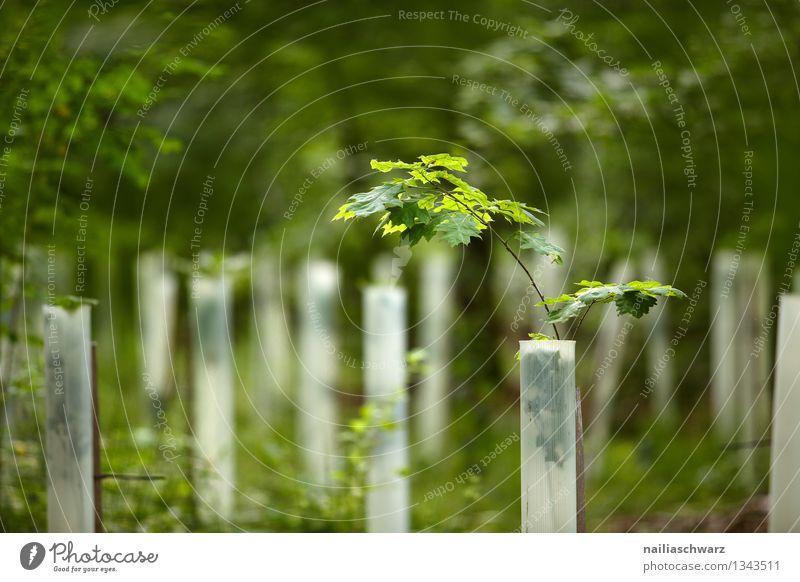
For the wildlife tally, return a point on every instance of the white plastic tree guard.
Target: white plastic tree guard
(612, 339)
(270, 350)
(656, 328)
(319, 355)
(436, 313)
(751, 392)
(213, 398)
(724, 323)
(784, 494)
(68, 455)
(740, 373)
(158, 298)
(547, 419)
(385, 344)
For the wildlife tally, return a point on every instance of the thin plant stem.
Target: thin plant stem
(580, 321)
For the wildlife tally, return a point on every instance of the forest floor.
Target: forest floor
(750, 517)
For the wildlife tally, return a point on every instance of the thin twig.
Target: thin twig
(580, 321)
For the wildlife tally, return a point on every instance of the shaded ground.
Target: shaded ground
(749, 518)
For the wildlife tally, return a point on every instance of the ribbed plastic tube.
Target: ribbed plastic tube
(68, 456)
(213, 419)
(385, 345)
(547, 419)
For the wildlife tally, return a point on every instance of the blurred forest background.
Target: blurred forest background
(115, 115)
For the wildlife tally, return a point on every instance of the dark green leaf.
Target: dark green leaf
(416, 233)
(409, 214)
(634, 303)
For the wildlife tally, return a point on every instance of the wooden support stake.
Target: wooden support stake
(579, 470)
(98, 483)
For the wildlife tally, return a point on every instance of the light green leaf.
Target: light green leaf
(415, 234)
(517, 212)
(387, 166)
(454, 163)
(656, 288)
(554, 300)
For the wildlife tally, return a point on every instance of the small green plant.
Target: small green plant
(432, 201)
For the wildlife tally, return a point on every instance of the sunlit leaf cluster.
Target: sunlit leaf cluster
(432, 201)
